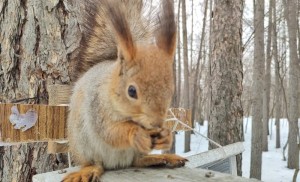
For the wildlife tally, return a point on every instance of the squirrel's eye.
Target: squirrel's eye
(132, 92)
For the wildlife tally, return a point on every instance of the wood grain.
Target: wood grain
(59, 94)
(50, 123)
(150, 174)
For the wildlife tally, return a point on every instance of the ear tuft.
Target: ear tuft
(166, 32)
(120, 25)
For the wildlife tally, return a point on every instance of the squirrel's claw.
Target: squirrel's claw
(86, 174)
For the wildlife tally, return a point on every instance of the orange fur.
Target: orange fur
(108, 128)
(86, 174)
(168, 160)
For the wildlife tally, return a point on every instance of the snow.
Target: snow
(274, 169)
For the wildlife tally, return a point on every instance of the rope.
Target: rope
(187, 126)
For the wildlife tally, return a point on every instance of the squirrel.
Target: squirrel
(120, 101)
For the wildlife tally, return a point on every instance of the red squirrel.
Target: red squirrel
(120, 102)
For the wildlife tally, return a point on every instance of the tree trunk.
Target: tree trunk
(186, 100)
(197, 77)
(225, 125)
(192, 36)
(278, 93)
(20, 162)
(258, 74)
(174, 103)
(267, 84)
(178, 57)
(293, 151)
(38, 40)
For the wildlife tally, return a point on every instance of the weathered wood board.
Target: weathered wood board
(214, 155)
(59, 94)
(51, 123)
(151, 174)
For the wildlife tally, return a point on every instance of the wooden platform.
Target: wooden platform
(151, 175)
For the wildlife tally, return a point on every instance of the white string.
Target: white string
(187, 126)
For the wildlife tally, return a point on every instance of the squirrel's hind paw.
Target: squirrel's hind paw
(86, 174)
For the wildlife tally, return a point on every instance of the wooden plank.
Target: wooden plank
(42, 119)
(36, 132)
(62, 122)
(27, 135)
(2, 113)
(214, 155)
(59, 94)
(233, 166)
(56, 122)
(9, 128)
(151, 174)
(22, 109)
(50, 123)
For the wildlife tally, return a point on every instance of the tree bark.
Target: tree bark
(209, 75)
(278, 93)
(293, 151)
(225, 125)
(258, 74)
(20, 162)
(38, 40)
(267, 84)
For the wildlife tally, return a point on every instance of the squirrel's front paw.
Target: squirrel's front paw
(162, 140)
(141, 140)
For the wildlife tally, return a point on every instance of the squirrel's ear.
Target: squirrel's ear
(124, 40)
(166, 32)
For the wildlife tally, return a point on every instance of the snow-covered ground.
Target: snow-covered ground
(273, 167)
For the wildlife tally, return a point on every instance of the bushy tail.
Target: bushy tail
(98, 43)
